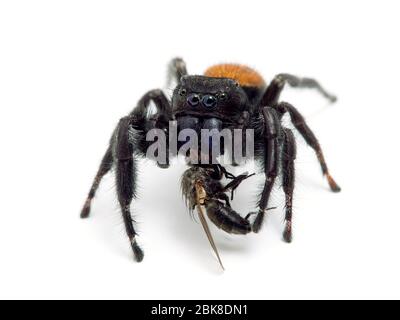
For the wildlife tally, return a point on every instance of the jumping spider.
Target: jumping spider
(230, 97)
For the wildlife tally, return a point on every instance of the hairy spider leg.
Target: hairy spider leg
(271, 136)
(125, 177)
(176, 70)
(301, 125)
(274, 90)
(125, 147)
(105, 167)
(288, 179)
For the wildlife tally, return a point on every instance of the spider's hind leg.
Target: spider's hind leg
(176, 70)
(301, 125)
(274, 90)
(105, 166)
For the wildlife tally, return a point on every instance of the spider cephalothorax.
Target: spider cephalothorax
(228, 97)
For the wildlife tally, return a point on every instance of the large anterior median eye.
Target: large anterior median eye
(193, 100)
(209, 101)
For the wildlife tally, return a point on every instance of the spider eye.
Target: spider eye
(209, 101)
(193, 100)
(182, 92)
(222, 96)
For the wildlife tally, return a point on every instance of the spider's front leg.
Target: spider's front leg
(160, 119)
(128, 143)
(271, 145)
(125, 144)
(277, 138)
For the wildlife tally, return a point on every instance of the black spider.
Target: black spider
(227, 97)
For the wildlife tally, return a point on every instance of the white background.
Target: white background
(70, 69)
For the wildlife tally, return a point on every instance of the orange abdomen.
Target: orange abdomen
(245, 76)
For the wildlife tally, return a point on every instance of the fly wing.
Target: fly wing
(199, 192)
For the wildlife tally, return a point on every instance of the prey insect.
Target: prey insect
(227, 97)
